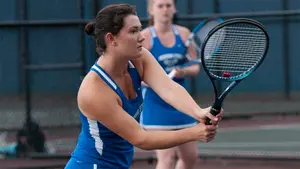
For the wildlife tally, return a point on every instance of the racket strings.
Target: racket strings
(235, 49)
(194, 46)
(202, 33)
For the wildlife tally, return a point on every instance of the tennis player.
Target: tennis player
(165, 41)
(110, 100)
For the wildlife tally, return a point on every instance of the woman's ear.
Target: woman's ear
(110, 39)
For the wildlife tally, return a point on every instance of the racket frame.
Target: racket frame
(190, 38)
(217, 105)
(192, 35)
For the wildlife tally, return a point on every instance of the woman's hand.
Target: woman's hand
(180, 73)
(204, 113)
(204, 133)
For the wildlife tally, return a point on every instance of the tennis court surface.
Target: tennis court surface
(267, 141)
(252, 144)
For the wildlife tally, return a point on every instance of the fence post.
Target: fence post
(24, 58)
(35, 138)
(286, 52)
(82, 39)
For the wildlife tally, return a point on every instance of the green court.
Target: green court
(266, 140)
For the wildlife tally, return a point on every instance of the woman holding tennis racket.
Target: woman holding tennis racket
(110, 99)
(165, 41)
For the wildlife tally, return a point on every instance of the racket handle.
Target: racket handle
(214, 111)
(172, 74)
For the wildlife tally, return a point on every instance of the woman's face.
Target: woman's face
(129, 40)
(162, 10)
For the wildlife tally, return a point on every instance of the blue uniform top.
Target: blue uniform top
(97, 144)
(157, 113)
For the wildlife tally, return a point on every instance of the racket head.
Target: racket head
(234, 49)
(194, 41)
(197, 37)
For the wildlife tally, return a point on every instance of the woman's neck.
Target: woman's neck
(162, 27)
(113, 65)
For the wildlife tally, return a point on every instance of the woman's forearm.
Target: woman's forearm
(178, 97)
(191, 71)
(165, 139)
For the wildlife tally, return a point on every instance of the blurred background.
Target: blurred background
(44, 54)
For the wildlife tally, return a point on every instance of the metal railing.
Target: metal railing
(24, 24)
(284, 15)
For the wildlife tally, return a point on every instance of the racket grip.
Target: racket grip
(172, 74)
(214, 111)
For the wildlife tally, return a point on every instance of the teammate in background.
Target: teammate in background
(110, 99)
(165, 41)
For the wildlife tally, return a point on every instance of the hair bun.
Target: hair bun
(90, 28)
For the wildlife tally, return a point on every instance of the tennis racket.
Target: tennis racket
(194, 41)
(232, 51)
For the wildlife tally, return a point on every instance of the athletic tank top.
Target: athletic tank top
(168, 57)
(157, 113)
(97, 144)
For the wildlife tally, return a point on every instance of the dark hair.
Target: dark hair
(109, 19)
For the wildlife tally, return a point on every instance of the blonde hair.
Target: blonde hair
(151, 19)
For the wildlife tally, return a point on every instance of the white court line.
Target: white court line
(252, 153)
(250, 144)
(262, 127)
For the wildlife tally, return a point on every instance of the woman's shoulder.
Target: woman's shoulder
(184, 32)
(92, 90)
(182, 29)
(95, 98)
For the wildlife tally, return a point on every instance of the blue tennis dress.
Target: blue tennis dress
(98, 147)
(157, 114)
